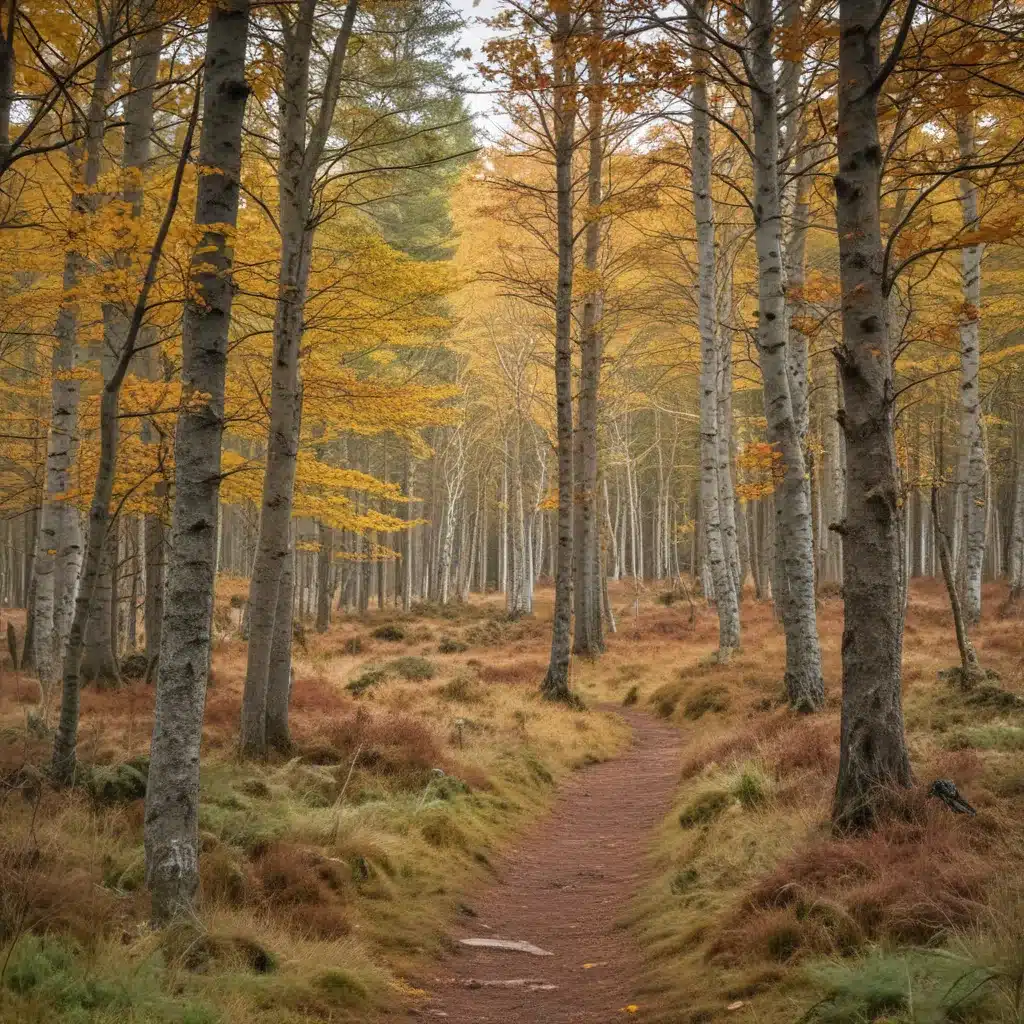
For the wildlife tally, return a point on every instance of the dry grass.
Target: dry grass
(328, 876)
(750, 888)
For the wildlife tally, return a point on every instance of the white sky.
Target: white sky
(473, 37)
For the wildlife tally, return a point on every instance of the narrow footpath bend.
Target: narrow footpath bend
(563, 890)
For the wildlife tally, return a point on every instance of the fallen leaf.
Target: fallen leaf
(736, 1005)
(632, 1008)
(587, 967)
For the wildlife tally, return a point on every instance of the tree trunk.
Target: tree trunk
(99, 661)
(324, 558)
(969, 668)
(556, 683)
(298, 164)
(589, 639)
(794, 534)
(172, 793)
(710, 491)
(873, 749)
(727, 503)
(972, 459)
(59, 555)
(279, 671)
(1016, 547)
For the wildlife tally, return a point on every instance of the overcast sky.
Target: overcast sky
(473, 37)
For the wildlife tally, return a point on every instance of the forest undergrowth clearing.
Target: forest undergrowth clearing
(328, 876)
(330, 880)
(756, 909)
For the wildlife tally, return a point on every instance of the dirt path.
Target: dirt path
(564, 890)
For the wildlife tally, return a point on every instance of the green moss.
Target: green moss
(987, 737)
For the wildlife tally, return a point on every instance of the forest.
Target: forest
(490, 481)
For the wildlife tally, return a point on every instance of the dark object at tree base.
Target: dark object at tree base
(947, 792)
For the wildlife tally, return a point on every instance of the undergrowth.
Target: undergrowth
(755, 909)
(328, 877)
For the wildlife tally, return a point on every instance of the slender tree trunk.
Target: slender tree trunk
(972, 460)
(727, 503)
(410, 538)
(325, 557)
(556, 682)
(710, 488)
(279, 674)
(59, 555)
(589, 639)
(969, 667)
(172, 794)
(873, 749)
(1016, 547)
(298, 164)
(794, 531)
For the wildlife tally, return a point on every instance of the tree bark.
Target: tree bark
(298, 162)
(972, 459)
(556, 683)
(588, 639)
(1016, 546)
(279, 671)
(873, 749)
(172, 794)
(794, 535)
(59, 555)
(325, 556)
(710, 490)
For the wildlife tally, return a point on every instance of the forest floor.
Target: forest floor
(674, 855)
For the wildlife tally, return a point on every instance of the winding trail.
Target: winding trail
(563, 890)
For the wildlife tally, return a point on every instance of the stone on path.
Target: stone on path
(513, 945)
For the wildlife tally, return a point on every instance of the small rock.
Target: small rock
(512, 945)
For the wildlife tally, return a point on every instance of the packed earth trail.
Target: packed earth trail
(564, 890)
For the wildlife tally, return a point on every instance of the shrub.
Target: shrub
(665, 699)
(632, 696)
(450, 645)
(389, 631)
(925, 987)
(705, 808)
(117, 783)
(367, 678)
(709, 699)
(352, 645)
(751, 788)
(46, 973)
(412, 667)
(462, 688)
(341, 987)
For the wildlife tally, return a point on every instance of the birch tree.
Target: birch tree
(556, 682)
(172, 793)
(588, 634)
(794, 531)
(972, 458)
(299, 155)
(726, 596)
